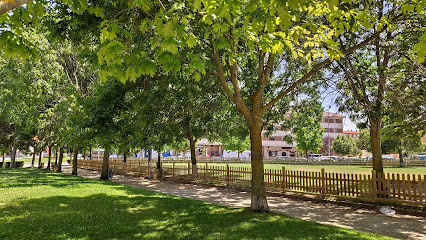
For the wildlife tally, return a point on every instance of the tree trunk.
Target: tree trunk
(401, 158)
(90, 154)
(33, 159)
(39, 159)
(149, 163)
(124, 157)
(105, 164)
(61, 157)
(49, 155)
(376, 149)
(159, 170)
(13, 157)
(6, 6)
(84, 153)
(4, 157)
(306, 154)
(74, 161)
(258, 193)
(193, 157)
(56, 157)
(238, 154)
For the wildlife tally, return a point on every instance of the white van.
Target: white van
(315, 156)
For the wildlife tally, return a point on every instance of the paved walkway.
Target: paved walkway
(398, 226)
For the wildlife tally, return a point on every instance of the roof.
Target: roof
(332, 114)
(356, 132)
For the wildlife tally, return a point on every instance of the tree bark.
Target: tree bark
(49, 153)
(159, 170)
(258, 194)
(56, 157)
(193, 157)
(39, 159)
(90, 154)
(74, 161)
(124, 157)
(149, 163)
(13, 157)
(84, 153)
(376, 149)
(105, 164)
(33, 159)
(5, 7)
(401, 157)
(2, 154)
(61, 157)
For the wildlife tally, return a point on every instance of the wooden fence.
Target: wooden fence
(303, 161)
(398, 188)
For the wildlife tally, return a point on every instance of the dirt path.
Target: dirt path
(398, 226)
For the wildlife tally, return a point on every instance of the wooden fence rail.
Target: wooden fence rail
(398, 188)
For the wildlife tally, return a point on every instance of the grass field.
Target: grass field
(327, 168)
(44, 159)
(39, 204)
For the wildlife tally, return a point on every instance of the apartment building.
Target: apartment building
(274, 145)
(352, 134)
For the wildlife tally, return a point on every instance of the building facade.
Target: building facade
(275, 145)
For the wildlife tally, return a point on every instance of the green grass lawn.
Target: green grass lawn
(44, 159)
(39, 204)
(327, 168)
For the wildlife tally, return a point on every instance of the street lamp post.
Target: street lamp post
(328, 129)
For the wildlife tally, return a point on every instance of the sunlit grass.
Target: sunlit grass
(39, 204)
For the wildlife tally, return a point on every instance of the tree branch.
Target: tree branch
(316, 68)
(5, 7)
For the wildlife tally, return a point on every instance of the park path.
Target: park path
(366, 220)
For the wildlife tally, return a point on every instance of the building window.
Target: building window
(272, 138)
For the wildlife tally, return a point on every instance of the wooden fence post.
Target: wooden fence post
(284, 179)
(322, 183)
(374, 185)
(227, 174)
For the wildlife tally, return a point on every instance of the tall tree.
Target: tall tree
(243, 38)
(305, 123)
(368, 73)
(344, 145)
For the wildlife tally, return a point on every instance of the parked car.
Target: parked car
(420, 157)
(325, 158)
(184, 156)
(315, 156)
(389, 157)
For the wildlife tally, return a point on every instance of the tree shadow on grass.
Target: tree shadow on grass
(30, 177)
(129, 213)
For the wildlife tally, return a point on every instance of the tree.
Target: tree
(243, 38)
(250, 43)
(368, 73)
(344, 145)
(305, 123)
(236, 143)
